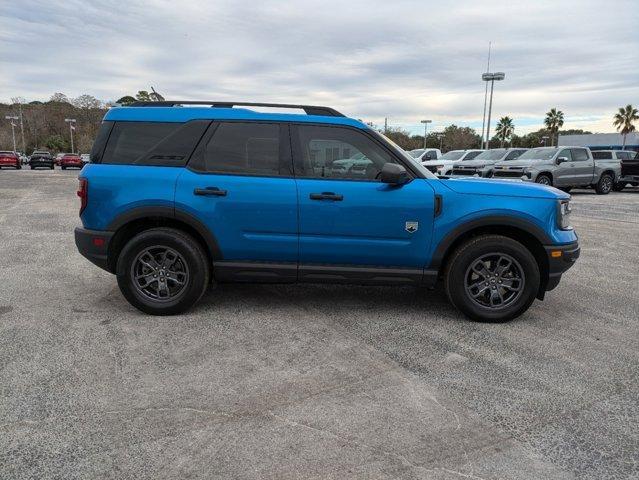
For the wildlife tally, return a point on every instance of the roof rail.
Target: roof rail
(309, 109)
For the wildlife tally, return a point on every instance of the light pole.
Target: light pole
(544, 138)
(491, 77)
(425, 122)
(441, 141)
(483, 120)
(71, 122)
(13, 130)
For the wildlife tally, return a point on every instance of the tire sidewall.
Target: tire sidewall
(548, 180)
(193, 255)
(455, 278)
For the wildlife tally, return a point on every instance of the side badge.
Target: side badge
(411, 227)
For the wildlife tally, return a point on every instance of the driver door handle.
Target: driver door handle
(210, 192)
(326, 196)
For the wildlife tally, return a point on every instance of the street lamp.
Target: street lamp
(13, 130)
(71, 122)
(491, 77)
(441, 141)
(425, 122)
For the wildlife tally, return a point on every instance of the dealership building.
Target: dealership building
(601, 141)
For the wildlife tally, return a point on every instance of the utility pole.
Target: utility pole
(13, 131)
(491, 77)
(483, 122)
(425, 122)
(24, 148)
(71, 122)
(385, 124)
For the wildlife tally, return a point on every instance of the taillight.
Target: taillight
(83, 193)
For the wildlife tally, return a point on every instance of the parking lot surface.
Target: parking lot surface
(311, 381)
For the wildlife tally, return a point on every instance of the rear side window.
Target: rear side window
(244, 149)
(153, 143)
(580, 155)
(602, 155)
(100, 141)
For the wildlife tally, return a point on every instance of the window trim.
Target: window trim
(298, 152)
(285, 154)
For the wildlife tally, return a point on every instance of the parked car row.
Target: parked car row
(564, 167)
(42, 159)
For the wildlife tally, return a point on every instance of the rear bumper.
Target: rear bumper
(94, 245)
(560, 259)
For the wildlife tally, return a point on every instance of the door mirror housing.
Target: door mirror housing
(394, 174)
(561, 160)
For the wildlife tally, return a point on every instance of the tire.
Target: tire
(544, 179)
(460, 278)
(605, 184)
(618, 187)
(190, 262)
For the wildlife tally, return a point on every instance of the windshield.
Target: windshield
(452, 155)
(416, 153)
(494, 154)
(538, 154)
(406, 156)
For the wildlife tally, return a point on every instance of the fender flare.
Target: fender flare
(140, 213)
(487, 221)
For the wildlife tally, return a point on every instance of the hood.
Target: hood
(505, 188)
(523, 163)
(476, 163)
(431, 163)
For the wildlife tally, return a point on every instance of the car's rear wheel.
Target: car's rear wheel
(604, 185)
(163, 271)
(544, 180)
(492, 278)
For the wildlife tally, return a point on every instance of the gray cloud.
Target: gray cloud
(402, 59)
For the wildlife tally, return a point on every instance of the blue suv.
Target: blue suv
(180, 194)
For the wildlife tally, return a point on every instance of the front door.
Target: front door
(347, 216)
(564, 174)
(239, 184)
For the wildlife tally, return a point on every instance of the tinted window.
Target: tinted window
(624, 155)
(100, 141)
(335, 152)
(494, 154)
(565, 153)
(602, 155)
(471, 155)
(453, 155)
(243, 148)
(514, 154)
(153, 143)
(580, 155)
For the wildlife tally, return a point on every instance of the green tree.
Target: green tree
(505, 129)
(460, 138)
(554, 121)
(126, 100)
(624, 121)
(56, 143)
(143, 96)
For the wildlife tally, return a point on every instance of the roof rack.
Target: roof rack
(309, 109)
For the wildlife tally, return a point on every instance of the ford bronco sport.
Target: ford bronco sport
(177, 196)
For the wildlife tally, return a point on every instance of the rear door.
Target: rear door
(239, 184)
(353, 219)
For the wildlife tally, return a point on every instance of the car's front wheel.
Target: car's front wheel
(163, 271)
(492, 278)
(544, 180)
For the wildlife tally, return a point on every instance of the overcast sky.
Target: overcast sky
(405, 60)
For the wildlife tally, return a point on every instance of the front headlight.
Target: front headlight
(563, 214)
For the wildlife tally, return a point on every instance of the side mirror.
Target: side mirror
(394, 174)
(561, 160)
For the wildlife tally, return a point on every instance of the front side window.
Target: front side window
(453, 155)
(494, 154)
(580, 155)
(338, 153)
(471, 155)
(514, 154)
(242, 148)
(566, 154)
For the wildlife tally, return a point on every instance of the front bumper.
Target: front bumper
(560, 259)
(94, 246)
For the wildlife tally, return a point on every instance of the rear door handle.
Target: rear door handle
(210, 192)
(326, 196)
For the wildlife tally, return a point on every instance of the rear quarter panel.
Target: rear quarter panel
(116, 189)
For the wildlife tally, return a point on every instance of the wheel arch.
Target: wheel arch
(137, 220)
(526, 233)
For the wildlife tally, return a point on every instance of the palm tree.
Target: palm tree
(554, 121)
(624, 120)
(505, 128)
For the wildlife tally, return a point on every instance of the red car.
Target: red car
(71, 161)
(10, 159)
